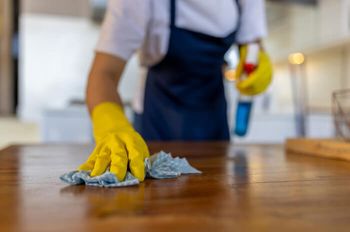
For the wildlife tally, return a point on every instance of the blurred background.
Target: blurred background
(46, 48)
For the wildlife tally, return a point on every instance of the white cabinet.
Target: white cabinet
(71, 125)
(68, 125)
(275, 128)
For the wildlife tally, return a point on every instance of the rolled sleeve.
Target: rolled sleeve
(124, 27)
(253, 21)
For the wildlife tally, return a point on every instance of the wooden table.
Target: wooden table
(247, 188)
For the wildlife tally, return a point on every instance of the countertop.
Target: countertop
(242, 188)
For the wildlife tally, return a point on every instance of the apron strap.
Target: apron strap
(239, 6)
(239, 9)
(172, 13)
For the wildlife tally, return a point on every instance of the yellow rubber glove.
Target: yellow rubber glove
(259, 80)
(118, 145)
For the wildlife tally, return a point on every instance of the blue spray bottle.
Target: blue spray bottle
(245, 103)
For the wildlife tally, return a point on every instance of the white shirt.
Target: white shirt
(143, 25)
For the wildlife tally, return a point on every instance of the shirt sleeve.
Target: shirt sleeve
(124, 27)
(252, 21)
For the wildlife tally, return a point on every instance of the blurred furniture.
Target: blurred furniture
(242, 188)
(341, 113)
(98, 9)
(76, 8)
(275, 128)
(94, 9)
(327, 148)
(70, 124)
(299, 90)
(9, 29)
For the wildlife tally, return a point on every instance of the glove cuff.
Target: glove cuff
(108, 117)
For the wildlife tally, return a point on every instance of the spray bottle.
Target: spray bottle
(245, 103)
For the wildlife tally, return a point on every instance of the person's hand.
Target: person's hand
(259, 80)
(118, 145)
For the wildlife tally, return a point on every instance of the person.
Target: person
(182, 44)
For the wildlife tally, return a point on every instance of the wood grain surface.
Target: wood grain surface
(242, 188)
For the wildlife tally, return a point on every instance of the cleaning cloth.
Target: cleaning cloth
(159, 166)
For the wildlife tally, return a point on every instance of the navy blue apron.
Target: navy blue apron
(184, 95)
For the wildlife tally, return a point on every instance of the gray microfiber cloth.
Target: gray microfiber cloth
(159, 166)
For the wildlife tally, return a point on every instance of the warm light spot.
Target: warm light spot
(296, 58)
(230, 74)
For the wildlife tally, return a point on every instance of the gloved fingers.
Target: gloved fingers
(259, 80)
(135, 139)
(119, 160)
(252, 78)
(264, 83)
(103, 159)
(261, 84)
(136, 164)
(256, 83)
(136, 155)
(142, 144)
(242, 57)
(90, 162)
